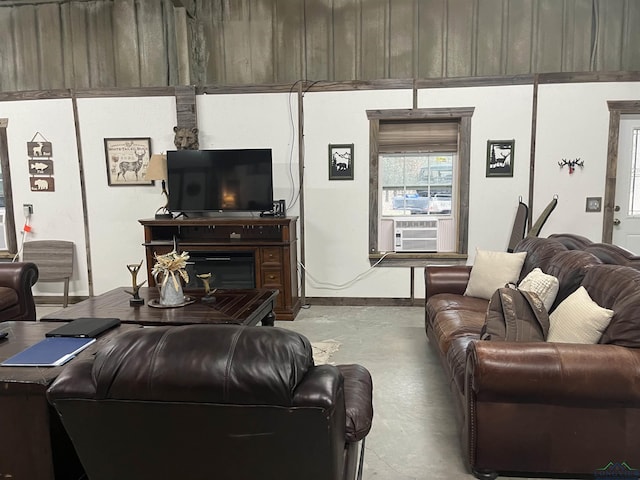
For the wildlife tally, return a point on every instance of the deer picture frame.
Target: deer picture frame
(127, 161)
(500, 155)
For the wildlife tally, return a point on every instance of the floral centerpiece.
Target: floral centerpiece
(167, 271)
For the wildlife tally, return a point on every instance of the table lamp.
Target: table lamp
(157, 170)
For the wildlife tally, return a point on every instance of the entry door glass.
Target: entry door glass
(626, 228)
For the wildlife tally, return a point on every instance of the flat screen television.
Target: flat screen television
(220, 180)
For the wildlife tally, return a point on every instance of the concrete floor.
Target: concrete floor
(415, 433)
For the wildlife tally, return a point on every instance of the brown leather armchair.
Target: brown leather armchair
(16, 297)
(213, 401)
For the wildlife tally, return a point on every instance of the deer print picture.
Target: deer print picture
(127, 160)
(500, 154)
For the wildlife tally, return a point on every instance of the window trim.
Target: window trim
(463, 115)
(9, 222)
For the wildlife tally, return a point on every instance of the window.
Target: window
(419, 171)
(416, 184)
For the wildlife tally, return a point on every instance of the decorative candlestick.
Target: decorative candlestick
(136, 301)
(208, 293)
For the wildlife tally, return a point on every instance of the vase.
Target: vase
(170, 294)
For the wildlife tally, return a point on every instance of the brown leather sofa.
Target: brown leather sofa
(539, 407)
(16, 296)
(213, 401)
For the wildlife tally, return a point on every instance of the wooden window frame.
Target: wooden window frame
(463, 116)
(9, 222)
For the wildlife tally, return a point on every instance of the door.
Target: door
(626, 217)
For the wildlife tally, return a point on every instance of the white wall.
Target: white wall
(56, 215)
(336, 218)
(115, 235)
(500, 113)
(256, 121)
(572, 122)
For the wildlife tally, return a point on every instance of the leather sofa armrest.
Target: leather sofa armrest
(75, 381)
(554, 373)
(446, 279)
(358, 393)
(320, 387)
(21, 276)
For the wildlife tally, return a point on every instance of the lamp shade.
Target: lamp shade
(157, 169)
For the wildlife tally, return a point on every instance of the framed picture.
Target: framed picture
(341, 162)
(500, 158)
(127, 160)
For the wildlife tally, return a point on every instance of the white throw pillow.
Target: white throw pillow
(543, 285)
(493, 270)
(578, 319)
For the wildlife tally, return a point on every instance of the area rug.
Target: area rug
(322, 351)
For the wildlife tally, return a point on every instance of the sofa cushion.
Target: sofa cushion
(617, 288)
(150, 364)
(578, 319)
(570, 268)
(614, 254)
(451, 301)
(543, 285)
(571, 240)
(451, 324)
(493, 270)
(540, 251)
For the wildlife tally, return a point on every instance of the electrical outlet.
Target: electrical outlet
(27, 208)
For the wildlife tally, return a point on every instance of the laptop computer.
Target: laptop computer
(84, 327)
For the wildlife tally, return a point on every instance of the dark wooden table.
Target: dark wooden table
(240, 306)
(33, 443)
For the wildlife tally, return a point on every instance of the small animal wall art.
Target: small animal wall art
(40, 161)
(341, 162)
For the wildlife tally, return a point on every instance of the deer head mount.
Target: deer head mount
(572, 164)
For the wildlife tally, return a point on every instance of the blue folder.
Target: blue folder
(50, 352)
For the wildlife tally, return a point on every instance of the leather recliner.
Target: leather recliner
(16, 295)
(213, 401)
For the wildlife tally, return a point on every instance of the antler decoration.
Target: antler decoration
(572, 164)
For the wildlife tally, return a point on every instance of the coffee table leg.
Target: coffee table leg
(269, 320)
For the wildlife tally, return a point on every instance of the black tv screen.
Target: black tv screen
(220, 180)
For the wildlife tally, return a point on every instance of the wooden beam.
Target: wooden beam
(532, 153)
(186, 114)
(182, 44)
(83, 193)
(187, 5)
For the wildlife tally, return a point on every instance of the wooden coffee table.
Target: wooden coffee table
(37, 446)
(239, 306)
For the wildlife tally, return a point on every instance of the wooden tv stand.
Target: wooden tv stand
(272, 241)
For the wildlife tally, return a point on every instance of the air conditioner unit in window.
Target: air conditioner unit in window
(415, 235)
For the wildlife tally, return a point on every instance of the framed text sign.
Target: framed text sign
(127, 160)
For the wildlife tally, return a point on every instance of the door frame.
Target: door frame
(616, 109)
